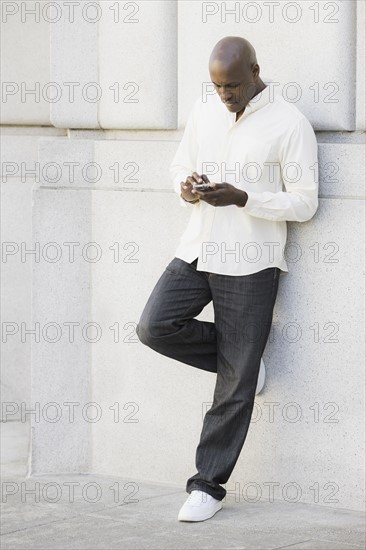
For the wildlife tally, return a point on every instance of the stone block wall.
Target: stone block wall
(94, 102)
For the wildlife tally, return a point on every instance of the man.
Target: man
(259, 153)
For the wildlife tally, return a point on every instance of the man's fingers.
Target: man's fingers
(196, 177)
(205, 194)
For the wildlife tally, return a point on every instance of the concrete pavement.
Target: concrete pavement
(105, 512)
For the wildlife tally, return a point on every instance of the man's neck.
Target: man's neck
(260, 88)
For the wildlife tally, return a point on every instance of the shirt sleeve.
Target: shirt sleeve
(185, 158)
(299, 167)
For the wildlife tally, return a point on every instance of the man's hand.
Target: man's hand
(222, 194)
(187, 186)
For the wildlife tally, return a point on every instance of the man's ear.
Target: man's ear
(256, 70)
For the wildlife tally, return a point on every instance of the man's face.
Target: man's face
(235, 83)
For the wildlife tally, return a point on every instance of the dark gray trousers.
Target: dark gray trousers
(231, 347)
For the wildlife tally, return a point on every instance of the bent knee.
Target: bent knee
(142, 331)
(149, 331)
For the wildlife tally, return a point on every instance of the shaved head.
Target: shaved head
(235, 72)
(233, 49)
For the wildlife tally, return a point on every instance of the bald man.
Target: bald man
(246, 164)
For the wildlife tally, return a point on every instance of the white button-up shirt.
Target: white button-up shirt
(271, 153)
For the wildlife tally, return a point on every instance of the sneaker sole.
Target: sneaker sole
(200, 518)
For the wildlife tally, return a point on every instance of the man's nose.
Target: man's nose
(226, 96)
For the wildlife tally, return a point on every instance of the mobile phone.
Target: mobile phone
(202, 186)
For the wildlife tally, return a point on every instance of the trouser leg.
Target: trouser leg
(166, 324)
(243, 307)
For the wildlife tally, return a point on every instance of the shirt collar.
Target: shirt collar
(260, 100)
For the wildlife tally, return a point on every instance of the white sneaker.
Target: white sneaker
(261, 378)
(199, 506)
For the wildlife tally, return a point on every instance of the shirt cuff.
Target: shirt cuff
(177, 190)
(254, 206)
(252, 202)
(183, 202)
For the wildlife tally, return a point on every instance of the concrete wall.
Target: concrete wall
(305, 440)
